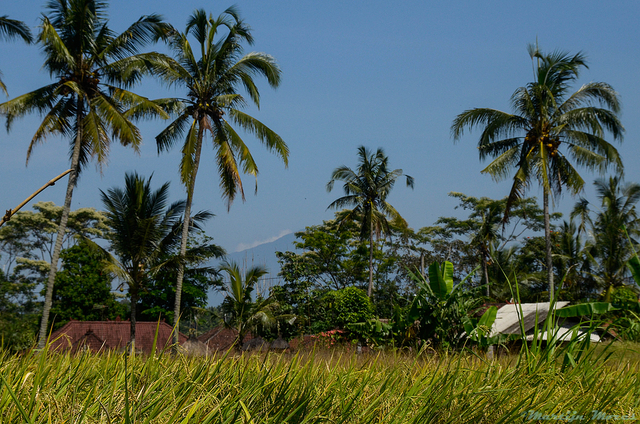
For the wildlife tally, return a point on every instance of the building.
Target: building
(98, 336)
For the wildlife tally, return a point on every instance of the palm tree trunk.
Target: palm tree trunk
(62, 228)
(185, 235)
(547, 239)
(132, 333)
(370, 291)
(485, 268)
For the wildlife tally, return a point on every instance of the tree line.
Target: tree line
(551, 132)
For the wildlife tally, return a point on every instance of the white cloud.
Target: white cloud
(243, 246)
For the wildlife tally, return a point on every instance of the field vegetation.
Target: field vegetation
(335, 386)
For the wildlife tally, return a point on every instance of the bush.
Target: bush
(348, 306)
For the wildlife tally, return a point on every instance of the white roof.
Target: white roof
(507, 317)
(565, 334)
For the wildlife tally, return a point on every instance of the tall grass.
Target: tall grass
(319, 387)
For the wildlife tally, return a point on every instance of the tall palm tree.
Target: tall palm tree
(367, 189)
(212, 82)
(9, 29)
(144, 231)
(87, 102)
(550, 125)
(246, 312)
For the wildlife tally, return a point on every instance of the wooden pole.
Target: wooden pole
(7, 216)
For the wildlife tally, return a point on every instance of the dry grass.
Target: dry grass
(311, 387)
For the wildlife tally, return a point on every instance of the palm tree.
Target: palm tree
(246, 313)
(9, 29)
(212, 84)
(87, 101)
(609, 244)
(488, 213)
(145, 230)
(549, 126)
(367, 189)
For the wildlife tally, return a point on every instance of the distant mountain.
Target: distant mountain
(263, 254)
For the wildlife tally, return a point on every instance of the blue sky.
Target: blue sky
(375, 73)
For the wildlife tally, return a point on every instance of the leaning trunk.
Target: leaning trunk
(62, 228)
(547, 239)
(185, 236)
(370, 291)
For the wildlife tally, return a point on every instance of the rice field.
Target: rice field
(317, 387)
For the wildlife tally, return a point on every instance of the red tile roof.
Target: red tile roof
(221, 338)
(101, 335)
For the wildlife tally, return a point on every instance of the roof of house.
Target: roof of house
(221, 338)
(103, 335)
(507, 318)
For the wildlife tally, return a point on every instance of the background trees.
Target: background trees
(83, 290)
(607, 244)
(158, 298)
(550, 125)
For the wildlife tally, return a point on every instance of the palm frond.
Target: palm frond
(268, 137)
(11, 28)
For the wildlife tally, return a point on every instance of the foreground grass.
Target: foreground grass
(310, 388)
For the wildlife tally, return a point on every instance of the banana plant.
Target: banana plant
(438, 310)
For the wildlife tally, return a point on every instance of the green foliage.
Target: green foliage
(19, 312)
(612, 230)
(246, 313)
(158, 298)
(212, 80)
(9, 29)
(83, 290)
(348, 305)
(479, 330)
(332, 257)
(373, 332)
(585, 310)
(440, 307)
(626, 314)
(29, 237)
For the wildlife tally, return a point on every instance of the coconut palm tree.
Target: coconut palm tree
(212, 83)
(366, 189)
(550, 126)
(87, 102)
(246, 313)
(9, 29)
(145, 230)
(608, 244)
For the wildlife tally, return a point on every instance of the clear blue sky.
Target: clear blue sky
(375, 73)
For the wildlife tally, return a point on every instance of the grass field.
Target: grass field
(318, 387)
